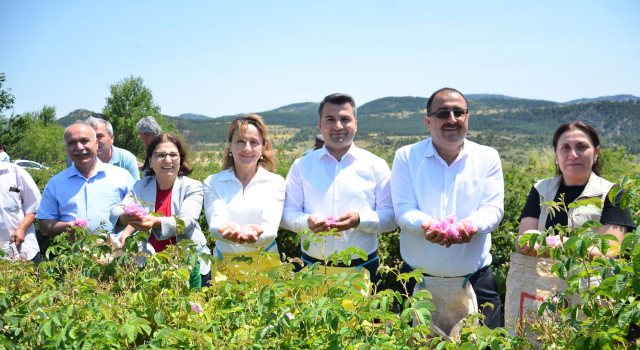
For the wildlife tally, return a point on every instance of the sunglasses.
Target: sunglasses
(444, 114)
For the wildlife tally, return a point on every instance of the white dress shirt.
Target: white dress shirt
(260, 203)
(318, 184)
(423, 186)
(19, 195)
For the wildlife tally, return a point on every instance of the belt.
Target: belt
(466, 277)
(309, 260)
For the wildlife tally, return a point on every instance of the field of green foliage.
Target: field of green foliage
(72, 302)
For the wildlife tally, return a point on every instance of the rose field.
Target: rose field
(92, 297)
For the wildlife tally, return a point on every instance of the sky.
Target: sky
(220, 58)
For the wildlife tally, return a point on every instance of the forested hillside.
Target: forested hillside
(500, 121)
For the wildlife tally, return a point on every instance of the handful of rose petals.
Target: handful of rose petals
(451, 227)
(247, 232)
(134, 209)
(331, 220)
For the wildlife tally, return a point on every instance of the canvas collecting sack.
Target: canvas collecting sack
(529, 284)
(454, 300)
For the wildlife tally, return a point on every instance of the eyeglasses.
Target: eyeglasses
(443, 114)
(162, 156)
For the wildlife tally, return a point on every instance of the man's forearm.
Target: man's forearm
(53, 227)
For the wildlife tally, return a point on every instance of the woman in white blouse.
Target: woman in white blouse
(243, 203)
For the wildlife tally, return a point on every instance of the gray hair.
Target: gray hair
(150, 125)
(81, 122)
(338, 99)
(94, 122)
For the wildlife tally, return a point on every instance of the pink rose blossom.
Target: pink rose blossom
(554, 241)
(195, 307)
(81, 223)
(555, 299)
(291, 317)
(331, 220)
(134, 209)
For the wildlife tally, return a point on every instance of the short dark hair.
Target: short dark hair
(185, 169)
(338, 99)
(3, 147)
(100, 116)
(444, 90)
(585, 129)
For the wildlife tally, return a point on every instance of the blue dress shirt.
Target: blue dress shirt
(69, 195)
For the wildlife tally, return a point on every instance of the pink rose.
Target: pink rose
(142, 212)
(195, 307)
(291, 317)
(246, 232)
(554, 241)
(131, 209)
(81, 223)
(331, 220)
(555, 299)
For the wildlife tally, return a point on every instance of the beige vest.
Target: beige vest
(596, 187)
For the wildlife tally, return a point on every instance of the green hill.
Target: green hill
(73, 116)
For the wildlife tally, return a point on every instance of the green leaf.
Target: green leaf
(624, 318)
(306, 243)
(621, 283)
(388, 346)
(159, 318)
(613, 193)
(424, 294)
(625, 200)
(132, 332)
(48, 328)
(145, 327)
(636, 266)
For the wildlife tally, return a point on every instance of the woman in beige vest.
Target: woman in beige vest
(576, 148)
(530, 281)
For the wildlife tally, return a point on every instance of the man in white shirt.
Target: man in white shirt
(19, 199)
(448, 175)
(340, 181)
(4, 157)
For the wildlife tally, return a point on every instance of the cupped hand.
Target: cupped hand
(317, 224)
(346, 221)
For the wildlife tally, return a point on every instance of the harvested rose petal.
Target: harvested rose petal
(451, 218)
(331, 220)
(81, 223)
(195, 307)
(554, 241)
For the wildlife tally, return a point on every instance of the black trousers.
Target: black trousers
(486, 288)
(372, 266)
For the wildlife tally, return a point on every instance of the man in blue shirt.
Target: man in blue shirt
(86, 190)
(107, 152)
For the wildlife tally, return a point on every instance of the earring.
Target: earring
(230, 155)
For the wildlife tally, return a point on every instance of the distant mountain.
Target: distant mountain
(614, 98)
(193, 116)
(75, 115)
(493, 96)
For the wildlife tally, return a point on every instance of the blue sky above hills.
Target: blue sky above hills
(220, 58)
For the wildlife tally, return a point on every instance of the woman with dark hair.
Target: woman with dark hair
(243, 203)
(530, 280)
(576, 149)
(166, 189)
